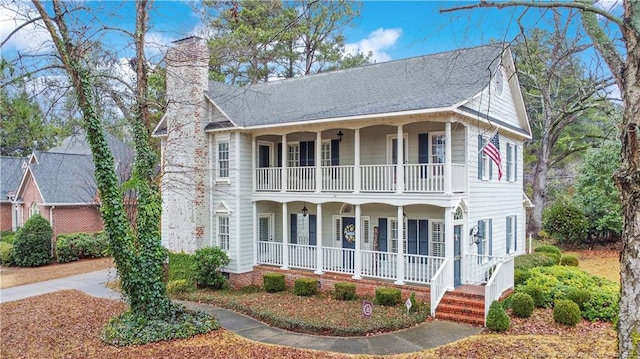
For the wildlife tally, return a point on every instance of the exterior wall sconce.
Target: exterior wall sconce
(340, 134)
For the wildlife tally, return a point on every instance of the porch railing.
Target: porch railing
(420, 269)
(378, 178)
(379, 264)
(439, 285)
(340, 260)
(337, 178)
(424, 178)
(270, 253)
(302, 256)
(501, 280)
(268, 179)
(301, 178)
(479, 268)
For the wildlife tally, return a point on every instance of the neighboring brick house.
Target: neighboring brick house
(59, 184)
(376, 174)
(11, 169)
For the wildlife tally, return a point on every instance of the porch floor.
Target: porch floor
(470, 289)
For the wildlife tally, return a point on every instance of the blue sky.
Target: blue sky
(389, 29)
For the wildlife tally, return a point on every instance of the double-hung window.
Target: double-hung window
(512, 157)
(511, 238)
(223, 160)
(223, 232)
(393, 236)
(484, 240)
(437, 239)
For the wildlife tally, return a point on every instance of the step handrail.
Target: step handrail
(438, 286)
(501, 280)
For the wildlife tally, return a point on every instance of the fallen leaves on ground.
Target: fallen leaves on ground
(67, 324)
(14, 276)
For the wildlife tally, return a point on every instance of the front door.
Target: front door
(348, 241)
(457, 255)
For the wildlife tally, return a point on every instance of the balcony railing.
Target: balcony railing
(418, 178)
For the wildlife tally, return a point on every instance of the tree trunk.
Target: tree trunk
(540, 185)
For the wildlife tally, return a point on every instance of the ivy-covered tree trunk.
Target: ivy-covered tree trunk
(137, 251)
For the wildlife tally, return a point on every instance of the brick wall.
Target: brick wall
(76, 219)
(327, 281)
(5, 216)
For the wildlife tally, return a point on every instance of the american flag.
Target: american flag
(492, 149)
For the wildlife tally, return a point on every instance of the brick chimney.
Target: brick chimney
(185, 155)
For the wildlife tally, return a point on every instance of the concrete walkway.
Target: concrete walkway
(424, 336)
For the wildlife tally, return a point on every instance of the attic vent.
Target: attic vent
(346, 209)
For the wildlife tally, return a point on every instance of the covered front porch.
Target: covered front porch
(363, 242)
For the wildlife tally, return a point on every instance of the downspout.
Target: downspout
(53, 246)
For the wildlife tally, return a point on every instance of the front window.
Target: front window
(438, 149)
(511, 234)
(437, 239)
(483, 240)
(223, 159)
(223, 232)
(33, 210)
(511, 165)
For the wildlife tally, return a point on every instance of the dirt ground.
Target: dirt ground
(14, 276)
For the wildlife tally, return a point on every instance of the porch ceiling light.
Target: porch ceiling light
(340, 134)
(305, 211)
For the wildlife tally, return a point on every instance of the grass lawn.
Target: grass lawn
(601, 262)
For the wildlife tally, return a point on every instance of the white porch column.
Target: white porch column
(448, 245)
(255, 232)
(319, 259)
(285, 236)
(357, 270)
(356, 162)
(283, 174)
(400, 264)
(318, 158)
(400, 164)
(253, 163)
(447, 155)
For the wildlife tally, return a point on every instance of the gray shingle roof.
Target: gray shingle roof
(425, 82)
(65, 178)
(10, 175)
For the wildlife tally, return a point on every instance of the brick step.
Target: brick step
(461, 318)
(464, 302)
(460, 309)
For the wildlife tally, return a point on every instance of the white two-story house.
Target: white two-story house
(374, 173)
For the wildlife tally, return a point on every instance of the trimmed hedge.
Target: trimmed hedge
(528, 261)
(554, 256)
(497, 318)
(547, 248)
(579, 296)
(522, 305)
(388, 296)
(6, 254)
(208, 265)
(274, 282)
(566, 312)
(569, 261)
(75, 246)
(305, 287)
(32, 245)
(345, 291)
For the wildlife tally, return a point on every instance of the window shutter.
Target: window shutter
(382, 234)
(365, 230)
(294, 228)
(490, 236)
(509, 161)
(312, 230)
(515, 233)
(508, 233)
(480, 163)
(515, 162)
(423, 237)
(335, 152)
(412, 236)
(481, 232)
(338, 229)
(279, 154)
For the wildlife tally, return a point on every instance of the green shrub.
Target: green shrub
(579, 296)
(388, 296)
(7, 237)
(32, 245)
(565, 222)
(528, 261)
(345, 291)
(130, 329)
(547, 248)
(569, 261)
(416, 305)
(520, 276)
(554, 256)
(6, 253)
(74, 246)
(209, 262)
(305, 287)
(602, 305)
(497, 318)
(566, 312)
(274, 282)
(522, 305)
(536, 292)
(179, 286)
(181, 266)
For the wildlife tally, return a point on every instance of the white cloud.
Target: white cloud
(609, 4)
(376, 43)
(156, 44)
(31, 38)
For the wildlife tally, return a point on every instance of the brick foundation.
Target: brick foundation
(364, 287)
